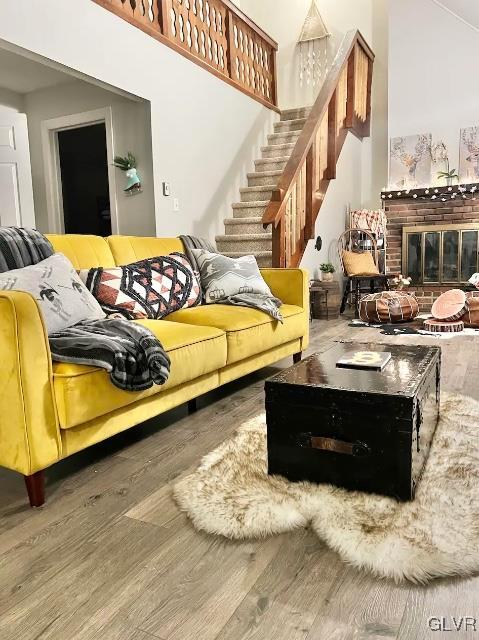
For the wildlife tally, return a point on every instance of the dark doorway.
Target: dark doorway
(84, 175)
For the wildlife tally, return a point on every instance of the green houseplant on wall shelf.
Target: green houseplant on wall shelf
(129, 166)
(327, 272)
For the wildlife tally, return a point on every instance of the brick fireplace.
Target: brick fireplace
(436, 242)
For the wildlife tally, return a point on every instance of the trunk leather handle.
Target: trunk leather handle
(356, 449)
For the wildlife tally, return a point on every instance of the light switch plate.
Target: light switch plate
(176, 204)
(166, 189)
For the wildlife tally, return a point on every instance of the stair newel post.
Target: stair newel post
(164, 11)
(350, 104)
(330, 173)
(311, 191)
(279, 247)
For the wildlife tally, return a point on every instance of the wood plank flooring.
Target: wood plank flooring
(110, 556)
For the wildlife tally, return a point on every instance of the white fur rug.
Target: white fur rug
(436, 535)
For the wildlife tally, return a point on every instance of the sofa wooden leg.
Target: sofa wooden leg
(36, 488)
(192, 406)
(297, 357)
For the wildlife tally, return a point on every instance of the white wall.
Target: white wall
(284, 19)
(131, 132)
(205, 133)
(11, 101)
(433, 69)
(362, 169)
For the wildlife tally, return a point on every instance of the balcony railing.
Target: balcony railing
(213, 33)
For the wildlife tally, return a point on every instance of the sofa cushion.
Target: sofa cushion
(248, 331)
(83, 393)
(126, 249)
(83, 252)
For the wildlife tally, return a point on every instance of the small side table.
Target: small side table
(315, 293)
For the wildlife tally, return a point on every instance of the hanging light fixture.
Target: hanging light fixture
(313, 47)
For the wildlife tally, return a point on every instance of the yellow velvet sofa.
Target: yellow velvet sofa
(52, 410)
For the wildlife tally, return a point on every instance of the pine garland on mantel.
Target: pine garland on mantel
(441, 194)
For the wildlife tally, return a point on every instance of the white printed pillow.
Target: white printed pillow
(63, 298)
(222, 277)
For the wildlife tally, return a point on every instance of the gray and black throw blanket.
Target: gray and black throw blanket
(132, 355)
(22, 247)
(267, 303)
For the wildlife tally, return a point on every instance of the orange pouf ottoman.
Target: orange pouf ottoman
(388, 307)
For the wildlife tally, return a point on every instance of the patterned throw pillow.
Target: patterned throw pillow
(55, 285)
(150, 288)
(222, 277)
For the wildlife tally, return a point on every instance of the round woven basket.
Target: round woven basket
(388, 307)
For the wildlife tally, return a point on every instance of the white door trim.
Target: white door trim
(51, 161)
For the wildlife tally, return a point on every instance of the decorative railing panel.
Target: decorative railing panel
(213, 33)
(252, 60)
(343, 104)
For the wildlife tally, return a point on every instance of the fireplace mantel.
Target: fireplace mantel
(469, 190)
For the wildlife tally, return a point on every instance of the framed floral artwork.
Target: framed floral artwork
(469, 155)
(410, 162)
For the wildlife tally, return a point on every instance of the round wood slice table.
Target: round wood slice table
(451, 305)
(443, 326)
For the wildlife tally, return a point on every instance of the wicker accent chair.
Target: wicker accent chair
(357, 241)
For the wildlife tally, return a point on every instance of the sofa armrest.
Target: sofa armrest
(29, 432)
(291, 286)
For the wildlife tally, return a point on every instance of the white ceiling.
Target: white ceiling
(468, 10)
(22, 75)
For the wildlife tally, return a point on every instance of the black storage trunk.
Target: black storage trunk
(358, 429)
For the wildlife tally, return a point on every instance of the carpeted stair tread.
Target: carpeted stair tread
(265, 164)
(240, 237)
(295, 124)
(293, 114)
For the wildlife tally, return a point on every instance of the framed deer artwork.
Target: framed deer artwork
(469, 155)
(410, 162)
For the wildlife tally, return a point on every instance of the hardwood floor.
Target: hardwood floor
(110, 556)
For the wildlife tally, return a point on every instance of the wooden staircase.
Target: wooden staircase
(244, 232)
(343, 105)
(277, 214)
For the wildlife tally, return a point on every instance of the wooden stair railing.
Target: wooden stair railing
(343, 104)
(212, 33)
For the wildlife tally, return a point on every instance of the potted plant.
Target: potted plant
(129, 166)
(327, 271)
